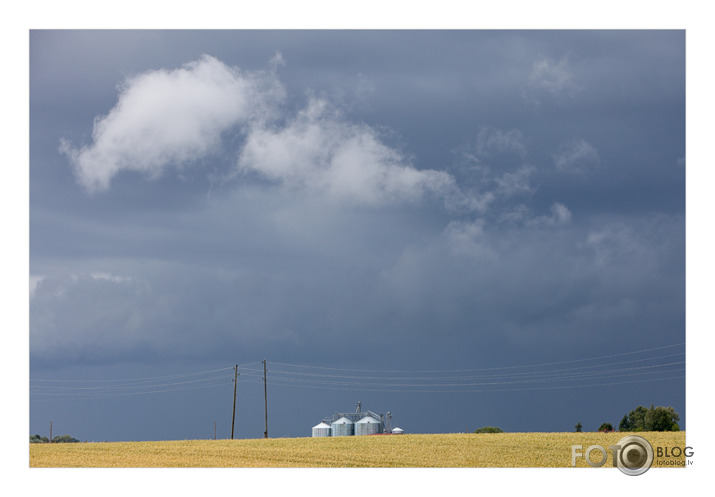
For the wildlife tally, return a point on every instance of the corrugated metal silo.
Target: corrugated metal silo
(321, 430)
(343, 427)
(368, 426)
(397, 431)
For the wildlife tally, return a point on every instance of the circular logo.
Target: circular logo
(635, 456)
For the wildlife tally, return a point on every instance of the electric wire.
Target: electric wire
(527, 373)
(133, 379)
(530, 376)
(584, 376)
(482, 369)
(124, 387)
(542, 376)
(530, 388)
(75, 396)
(73, 389)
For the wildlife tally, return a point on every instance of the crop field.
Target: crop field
(525, 450)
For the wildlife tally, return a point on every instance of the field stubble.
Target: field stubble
(511, 450)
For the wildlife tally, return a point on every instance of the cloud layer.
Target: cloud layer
(409, 200)
(496, 242)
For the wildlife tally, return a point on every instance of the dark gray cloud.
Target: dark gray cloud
(387, 200)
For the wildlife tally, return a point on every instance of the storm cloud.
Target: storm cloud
(392, 201)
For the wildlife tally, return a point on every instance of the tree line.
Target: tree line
(643, 419)
(37, 439)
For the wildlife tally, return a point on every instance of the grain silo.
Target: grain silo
(368, 426)
(343, 427)
(397, 431)
(322, 430)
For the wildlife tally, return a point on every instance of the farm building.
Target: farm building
(321, 430)
(345, 424)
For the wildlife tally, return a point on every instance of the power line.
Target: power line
(494, 381)
(526, 373)
(75, 389)
(123, 387)
(530, 388)
(481, 369)
(535, 376)
(541, 376)
(132, 379)
(80, 396)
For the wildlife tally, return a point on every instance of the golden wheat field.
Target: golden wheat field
(523, 450)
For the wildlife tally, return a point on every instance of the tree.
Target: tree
(662, 419)
(489, 429)
(634, 420)
(578, 427)
(653, 419)
(37, 439)
(605, 427)
(64, 439)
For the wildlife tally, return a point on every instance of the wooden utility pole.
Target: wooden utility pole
(235, 384)
(50, 431)
(214, 430)
(265, 398)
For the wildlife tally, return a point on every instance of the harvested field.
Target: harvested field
(524, 450)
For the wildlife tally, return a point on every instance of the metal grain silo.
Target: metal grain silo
(368, 426)
(321, 430)
(343, 427)
(397, 431)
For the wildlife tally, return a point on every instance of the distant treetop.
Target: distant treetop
(489, 429)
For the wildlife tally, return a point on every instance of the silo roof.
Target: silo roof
(322, 425)
(343, 420)
(368, 419)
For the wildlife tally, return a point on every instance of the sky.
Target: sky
(463, 228)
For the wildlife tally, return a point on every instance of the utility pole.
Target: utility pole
(214, 430)
(235, 384)
(265, 398)
(50, 431)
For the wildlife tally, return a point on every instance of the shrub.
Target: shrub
(489, 429)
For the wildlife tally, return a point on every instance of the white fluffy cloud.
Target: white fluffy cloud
(320, 152)
(165, 118)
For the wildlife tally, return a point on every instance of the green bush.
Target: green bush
(62, 439)
(489, 429)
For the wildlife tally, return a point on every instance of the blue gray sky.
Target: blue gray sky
(464, 228)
